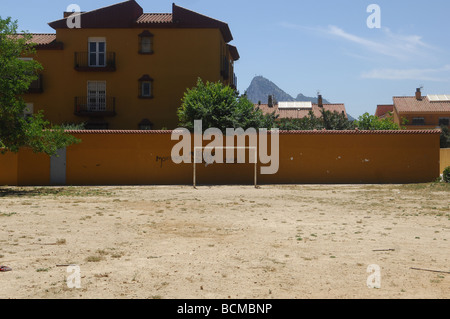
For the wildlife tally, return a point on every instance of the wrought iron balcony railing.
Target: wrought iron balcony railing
(95, 62)
(225, 69)
(36, 86)
(95, 106)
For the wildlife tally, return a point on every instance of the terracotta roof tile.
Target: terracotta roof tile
(130, 14)
(40, 38)
(411, 104)
(383, 109)
(300, 113)
(44, 41)
(155, 18)
(43, 38)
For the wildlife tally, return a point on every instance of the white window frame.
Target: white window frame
(97, 52)
(96, 96)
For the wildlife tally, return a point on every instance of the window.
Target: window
(444, 121)
(146, 42)
(146, 87)
(418, 121)
(97, 52)
(28, 110)
(96, 98)
(145, 125)
(97, 126)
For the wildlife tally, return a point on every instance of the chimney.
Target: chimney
(320, 100)
(270, 101)
(418, 94)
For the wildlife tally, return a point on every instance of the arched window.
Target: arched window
(145, 125)
(146, 42)
(146, 87)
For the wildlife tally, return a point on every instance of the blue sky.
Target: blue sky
(310, 46)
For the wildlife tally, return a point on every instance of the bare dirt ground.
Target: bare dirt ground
(172, 242)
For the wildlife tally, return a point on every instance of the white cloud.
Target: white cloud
(391, 44)
(434, 75)
(386, 43)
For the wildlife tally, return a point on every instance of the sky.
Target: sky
(307, 47)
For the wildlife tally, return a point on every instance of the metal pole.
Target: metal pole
(194, 179)
(256, 170)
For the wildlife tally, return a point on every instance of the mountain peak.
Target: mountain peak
(260, 88)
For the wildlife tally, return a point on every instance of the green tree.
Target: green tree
(336, 121)
(220, 106)
(445, 137)
(16, 75)
(329, 121)
(372, 122)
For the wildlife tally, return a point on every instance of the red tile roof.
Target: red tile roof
(383, 109)
(119, 15)
(43, 38)
(130, 14)
(155, 18)
(234, 52)
(409, 104)
(300, 113)
(44, 41)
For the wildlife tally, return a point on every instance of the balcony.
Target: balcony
(234, 83)
(86, 62)
(96, 106)
(36, 85)
(225, 69)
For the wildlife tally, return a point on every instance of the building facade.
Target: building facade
(124, 69)
(422, 112)
(298, 110)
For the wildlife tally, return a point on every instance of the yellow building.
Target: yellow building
(422, 112)
(121, 68)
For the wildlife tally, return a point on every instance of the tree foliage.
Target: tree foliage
(328, 121)
(372, 122)
(16, 75)
(220, 106)
(445, 137)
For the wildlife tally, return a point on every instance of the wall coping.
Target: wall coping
(311, 132)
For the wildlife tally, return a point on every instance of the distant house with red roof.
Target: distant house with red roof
(384, 110)
(297, 110)
(422, 112)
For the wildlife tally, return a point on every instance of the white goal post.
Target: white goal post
(254, 148)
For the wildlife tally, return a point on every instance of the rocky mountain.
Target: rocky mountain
(260, 88)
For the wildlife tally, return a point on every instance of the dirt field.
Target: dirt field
(171, 242)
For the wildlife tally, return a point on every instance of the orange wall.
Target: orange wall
(8, 169)
(180, 57)
(33, 169)
(115, 158)
(24, 168)
(445, 158)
